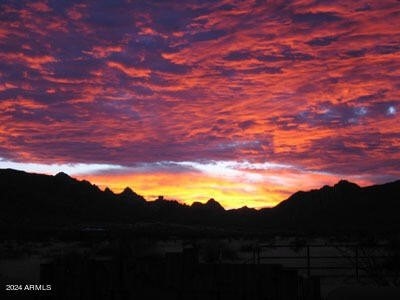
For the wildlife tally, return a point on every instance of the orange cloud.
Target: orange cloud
(130, 71)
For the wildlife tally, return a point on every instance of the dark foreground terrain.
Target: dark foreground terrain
(92, 244)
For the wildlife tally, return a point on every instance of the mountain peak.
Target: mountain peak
(107, 190)
(214, 204)
(211, 204)
(129, 194)
(127, 191)
(344, 184)
(62, 175)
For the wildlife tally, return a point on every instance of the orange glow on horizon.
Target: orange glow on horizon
(230, 193)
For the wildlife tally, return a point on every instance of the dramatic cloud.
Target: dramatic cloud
(313, 86)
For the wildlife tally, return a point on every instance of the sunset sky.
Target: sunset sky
(243, 101)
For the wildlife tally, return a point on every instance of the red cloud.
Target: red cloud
(130, 71)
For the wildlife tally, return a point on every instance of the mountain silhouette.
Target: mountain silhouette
(130, 197)
(36, 200)
(210, 206)
(343, 206)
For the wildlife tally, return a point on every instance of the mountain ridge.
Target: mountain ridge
(28, 198)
